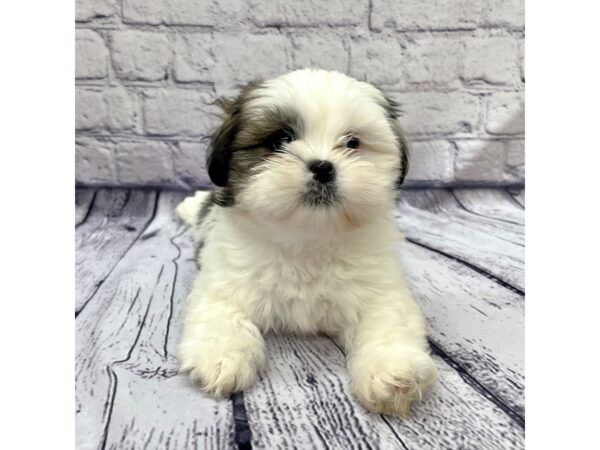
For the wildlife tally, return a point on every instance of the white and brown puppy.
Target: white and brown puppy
(299, 237)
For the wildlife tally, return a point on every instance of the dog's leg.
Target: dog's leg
(388, 356)
(189, 209)
(221, 349)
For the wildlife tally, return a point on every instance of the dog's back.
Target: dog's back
(194, 211)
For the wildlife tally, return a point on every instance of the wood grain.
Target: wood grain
(128, 390)
(457, 416)
(83, 203)
(477, 322)
(435, 219)
(491, 203)
(129, 393)
(518, 195)
(303, 401)
(446, 204)
(116, 221)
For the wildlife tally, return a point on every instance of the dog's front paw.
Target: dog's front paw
(388, 380)
(221, 371)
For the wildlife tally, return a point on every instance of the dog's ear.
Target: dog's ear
(393, 112)
(223, 139)
(221, 142)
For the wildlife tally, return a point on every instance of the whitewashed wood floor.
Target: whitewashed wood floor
(464, 258)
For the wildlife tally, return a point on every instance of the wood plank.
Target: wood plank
(128, 390)
(491, 203)
(518, 195)
(83, 203)
(433, 218)
(303, 401)
(117, 219)
(445, 203)
(477, 322)
(456, 416)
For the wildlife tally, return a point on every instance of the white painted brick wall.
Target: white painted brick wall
(148, 73)
(177, 112)
(106, 109)
(91, 55)
(140, 55)
(142, 162)
(408, 15)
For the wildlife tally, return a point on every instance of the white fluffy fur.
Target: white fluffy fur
(269, 263)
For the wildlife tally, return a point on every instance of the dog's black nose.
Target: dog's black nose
(323, 170)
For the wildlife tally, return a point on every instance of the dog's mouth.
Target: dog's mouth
(321, 195)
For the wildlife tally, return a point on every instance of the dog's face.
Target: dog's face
(311, 148)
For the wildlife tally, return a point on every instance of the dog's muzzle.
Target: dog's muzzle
(323, 171)
(321, 189)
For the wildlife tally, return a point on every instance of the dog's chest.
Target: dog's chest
(304, 291)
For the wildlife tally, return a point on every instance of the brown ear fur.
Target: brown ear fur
(393, 112)
(223, 139)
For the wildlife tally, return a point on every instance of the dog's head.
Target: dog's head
(310, 148)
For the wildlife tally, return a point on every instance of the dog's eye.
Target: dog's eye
(280, 138)
(353, 142)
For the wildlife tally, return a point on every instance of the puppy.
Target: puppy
(299, 237)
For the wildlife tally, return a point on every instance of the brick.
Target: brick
(432, 112)
(189, 161)
(185, 12)
(94, 162)
(143, 11)
(240, 58)
(515, 161)
(144, 163)
(178, 112)
(193, 60)
(91, 110)
(505, 113)
(493, 60)
(308, 12)
(224, 58)
(86, 10)
(112, 109)
(479, 161)
(428, 15)
(522, 60)
(431, 161)
(433, 60)
(376, 59)
(504, 13)
(140, 55)
(90, 55)
(323, 50)
(122, 109)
